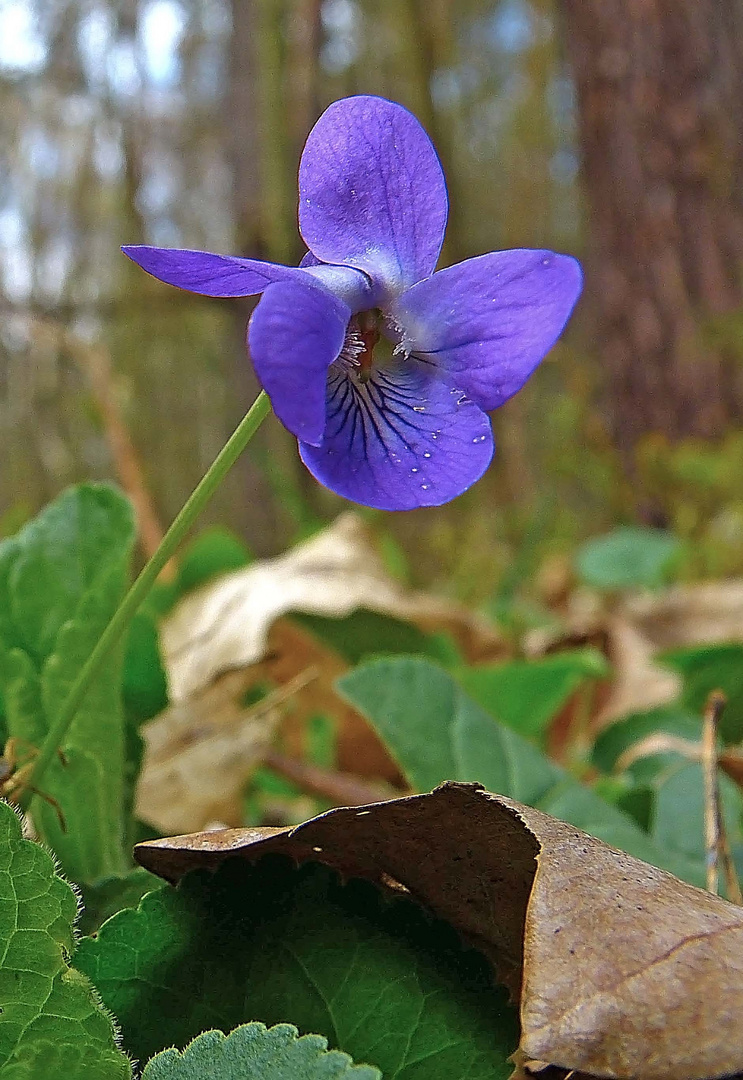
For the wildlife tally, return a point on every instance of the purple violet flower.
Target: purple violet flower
(384, 370)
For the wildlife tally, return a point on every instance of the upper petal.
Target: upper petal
(487, 322)
(372, 192)
(295, 333)
(400, 441)
(206, 273)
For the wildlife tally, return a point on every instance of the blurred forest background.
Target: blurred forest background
(610, 129)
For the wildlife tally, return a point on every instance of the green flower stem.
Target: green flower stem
(199, 498)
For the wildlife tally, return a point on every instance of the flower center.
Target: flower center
(357, 354)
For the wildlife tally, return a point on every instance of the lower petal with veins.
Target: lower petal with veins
(400, 440)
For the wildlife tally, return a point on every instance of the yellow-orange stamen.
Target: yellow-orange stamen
(370, 337)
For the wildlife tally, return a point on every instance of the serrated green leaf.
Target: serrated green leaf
(436, 733)
(705, 668)
(255, 1052)
(380, 981)
(526, 694)
(61, 579)
(628, 557)
(103, 900)
(51, 1023)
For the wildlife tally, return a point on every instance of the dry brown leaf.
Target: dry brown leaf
(639, 626)
(621, 969)
(648, 624)
(199, 754)
(234, 624)
(225, 624)
(358, 747)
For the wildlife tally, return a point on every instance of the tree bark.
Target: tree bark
(254, 509)
(660, 108)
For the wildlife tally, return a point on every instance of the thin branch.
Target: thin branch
(342, 789)
(715, 705)
(95, 361)
(658, 743)
(284, 693)
(716, 840)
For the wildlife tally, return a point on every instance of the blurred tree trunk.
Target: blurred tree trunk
(272, 102)
(244, 147)
(660, 102)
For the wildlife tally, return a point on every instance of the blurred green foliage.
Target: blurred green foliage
(627, 558)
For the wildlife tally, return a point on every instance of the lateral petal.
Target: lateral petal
(208, 274)
(400, 441)
(372, 192)
(486, 323)
(294, 335)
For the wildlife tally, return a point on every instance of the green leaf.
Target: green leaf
(215, 551)
(365, 633)
(628, 557)
(616, 739)
(59, 557)
(677, 817)
(526, 694)
(705, 668)
(51, 1023)
(103, 900)
(436, 733)
(669, 788)
(145, 686)
(635, 800)
(255, 1052)
(379, 980)
(145, 694)
(61, 579)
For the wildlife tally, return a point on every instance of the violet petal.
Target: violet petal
(400, 441)
(295, 333)
(308, 259)
(206, 273)
(372, 192)
(487, 322)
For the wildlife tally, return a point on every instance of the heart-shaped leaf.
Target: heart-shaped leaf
(255, 1052)
(51, 1023)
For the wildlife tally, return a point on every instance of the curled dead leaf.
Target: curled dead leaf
(225, 624)
(637, 627)
(234, 624)
(621, 969)
(199, 754)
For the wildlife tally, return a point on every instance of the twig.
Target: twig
(95, 361)
(342, 789)
(716, 840)
(715, 705)
(658, 743)
(281, 694)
